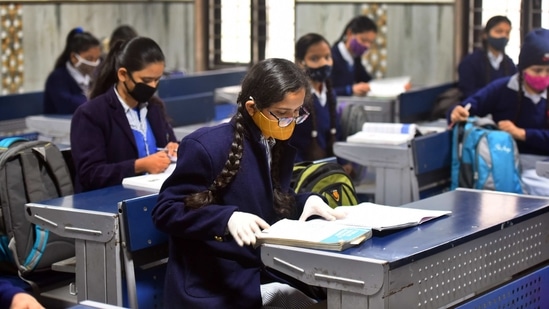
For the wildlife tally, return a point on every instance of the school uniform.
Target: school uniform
(103, 146)
(206, 267)
(500, 99)
(479, 68)
(62, 93)
(301, 138)
(347, 70)
(7, 292)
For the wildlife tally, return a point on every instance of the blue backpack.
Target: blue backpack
(484, 157)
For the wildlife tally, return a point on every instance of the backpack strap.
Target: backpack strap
(8, 141)
(35, 255)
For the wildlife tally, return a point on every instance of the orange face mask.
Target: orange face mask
(270, 128)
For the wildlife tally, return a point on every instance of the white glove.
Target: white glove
(243, 226)
(316, 206)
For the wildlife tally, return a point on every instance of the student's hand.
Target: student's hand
(25, 301)
(243, 226)
(153, 164)
(459, 114)
(361, 89)
(171, 149)
(509, 127)
(316, 206)
(408, 86)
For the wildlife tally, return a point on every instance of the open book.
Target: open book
(384, 133)
(388, 87)
(341, 234)
(150, 182)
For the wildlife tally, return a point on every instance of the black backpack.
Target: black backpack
(353, 116)
(327, 179)
(30, 171)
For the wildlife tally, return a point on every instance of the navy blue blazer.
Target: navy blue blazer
(476, 72)
(102, 143)
(206, 267)
(345, 76)
(62, 95)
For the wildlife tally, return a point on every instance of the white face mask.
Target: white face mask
(86, 62)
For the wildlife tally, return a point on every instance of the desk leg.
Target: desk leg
(98, 271)
(393, 186)
(338, 299)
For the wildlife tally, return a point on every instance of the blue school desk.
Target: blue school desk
(92, 220)
(490, 240)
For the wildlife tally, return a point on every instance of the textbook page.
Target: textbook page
(382, 217)
(151, 182)
(315, 234)
(388, 87)
(384, 133)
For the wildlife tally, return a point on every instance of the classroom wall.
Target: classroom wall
(45, 27)
(417, 39)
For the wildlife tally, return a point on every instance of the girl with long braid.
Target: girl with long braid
(314, 138)
(518, 104)
(232, 181)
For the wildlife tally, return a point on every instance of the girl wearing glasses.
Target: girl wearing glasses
(232, 181)
(314, 139)
(67, 87)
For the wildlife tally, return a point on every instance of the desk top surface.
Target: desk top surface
(474, 214)
(103, 200)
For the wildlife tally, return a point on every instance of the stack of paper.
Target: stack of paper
(384, 133)
(151, 182)
(388, 87)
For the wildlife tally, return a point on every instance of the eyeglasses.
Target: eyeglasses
(286, 121)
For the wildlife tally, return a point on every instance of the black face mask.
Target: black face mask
(141, 92)
(320, 74)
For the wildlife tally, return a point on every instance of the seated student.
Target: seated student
(117, 133)
(67, 87)
(489, 63)
(122, 33)
(315, 137)
(349, 76)
(518, 104)
(15, 297)
(231, 181)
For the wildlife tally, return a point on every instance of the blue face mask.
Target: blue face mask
(497, 43)
(320, 74)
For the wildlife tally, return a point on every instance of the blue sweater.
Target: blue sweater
(302, 139)
(7, 292)
(62, 95)
(207, 268)
(345, 76)
(503, 103)
(475, 71)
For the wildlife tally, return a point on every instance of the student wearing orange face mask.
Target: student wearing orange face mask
(349, 76)
(67, 87)
(231, 181)
(518, 104)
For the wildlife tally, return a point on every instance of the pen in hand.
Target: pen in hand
(467, 107)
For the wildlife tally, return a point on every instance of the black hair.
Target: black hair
(77, 41)
(358, 24)
(122, 33)
(301, 47)
(267, 82)
(491, 23)
(134, 55)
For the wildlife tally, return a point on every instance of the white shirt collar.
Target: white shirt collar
(495, 61)
(345, 53)
(82, 80)
(322, 96)
(514, 85)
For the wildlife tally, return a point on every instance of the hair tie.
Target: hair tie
(79, 30)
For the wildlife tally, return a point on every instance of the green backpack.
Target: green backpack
(327, 179)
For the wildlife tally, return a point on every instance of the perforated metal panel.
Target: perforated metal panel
(471, 268)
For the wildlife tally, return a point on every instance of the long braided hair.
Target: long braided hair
(301, 47)
(267, 82)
